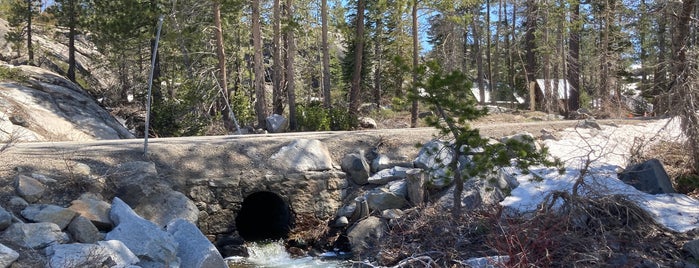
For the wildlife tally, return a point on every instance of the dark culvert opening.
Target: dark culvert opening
(264, 216)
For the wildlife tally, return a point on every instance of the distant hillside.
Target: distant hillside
(51, 53)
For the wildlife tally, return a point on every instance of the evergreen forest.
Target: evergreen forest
(222, 64)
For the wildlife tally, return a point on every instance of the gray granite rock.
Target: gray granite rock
(49, 213)
(194, 250)
(153, 246)
(35, 235)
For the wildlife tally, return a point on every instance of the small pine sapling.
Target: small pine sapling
(449, 96)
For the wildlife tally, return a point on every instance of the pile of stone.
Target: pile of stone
(392, 185)
(92, 232)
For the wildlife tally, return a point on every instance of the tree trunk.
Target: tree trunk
(355, 98)
(660, 74)
(530, 42)
(157, 93)
(258, 68)
(415, 106)
(603, 90)
(183, 48)
(488, 55)
(277, 92)
(71, 40)
(379, 61)
(30, 49)
(222, 73)
(574, 57)
(511, 79)
(326, 55)
(479, 57)
(681, 83)
(290, 75)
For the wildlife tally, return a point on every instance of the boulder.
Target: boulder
(387, 175)
(364, 236)
(138, 185)
(366, 122)
(432, 154)
(356, 166)
(276, 123)
(380, 162)
(399, 188)
(153, 246)
(5, 219)
(649, 177)
(110, 253)
(43, 178)
(18, 203)
(693, 248)
(303, 155)
(49, 213)
(434, 158)
(166, 206)
(136, 180)
(83, 231)
(548, 135)
(392, 214)
(507, 178)
(348, 210)
(134, 173)
(48, 107)
(359, 210)
(477, 193)
(120, 254)
(588, 123)
(78, 255)
(7, 256)
(29, 188)
(415, 186)
(80, 169)
(194, 250)
(523, 137)
(382, 199)
(34, 235)
(341, 222)
(93, 208)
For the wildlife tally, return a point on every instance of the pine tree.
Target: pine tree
(356, 82)
(20, 20)
(454, 108)
(260, 99)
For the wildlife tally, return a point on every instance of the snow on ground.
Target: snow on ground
(609, 150)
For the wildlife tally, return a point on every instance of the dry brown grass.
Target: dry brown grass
(677, 163)
(586, 232)
(309, 231)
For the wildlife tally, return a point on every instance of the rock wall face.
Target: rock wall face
(47, 107)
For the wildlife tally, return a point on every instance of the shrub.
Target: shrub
(242, 109)
(312, 117)
(315, 117)
(12, 74)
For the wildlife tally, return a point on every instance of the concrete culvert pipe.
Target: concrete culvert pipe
(264, 216)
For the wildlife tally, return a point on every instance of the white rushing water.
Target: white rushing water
(274, 254)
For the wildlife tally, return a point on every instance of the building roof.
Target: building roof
(476, 93)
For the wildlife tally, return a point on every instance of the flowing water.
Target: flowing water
(272, 255)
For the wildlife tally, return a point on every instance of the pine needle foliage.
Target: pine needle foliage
(449, 96)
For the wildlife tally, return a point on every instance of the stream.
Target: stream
(274, 254)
